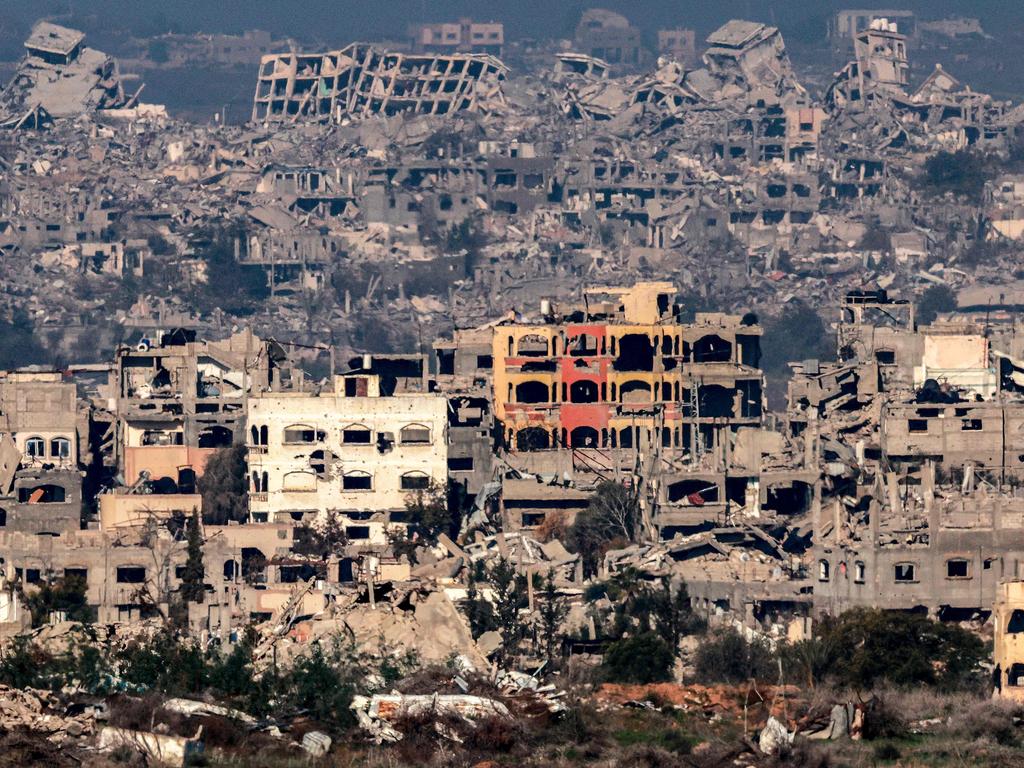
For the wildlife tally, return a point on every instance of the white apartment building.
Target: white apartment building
(353, 450)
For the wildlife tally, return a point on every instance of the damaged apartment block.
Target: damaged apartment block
(362, 80)
(60, 77)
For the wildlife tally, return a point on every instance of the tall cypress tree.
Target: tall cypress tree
(192, 590)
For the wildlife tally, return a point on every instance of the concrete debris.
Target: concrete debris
(380, 715)
(162, 749)
(774, 739)
(316, 743)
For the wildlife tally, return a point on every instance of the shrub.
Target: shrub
(223, 487)
(726, 656)
(936, 299)
(66, 595)
(642, 659)
(963, 173)
(989, 720)
(872, 645)
(882, 720)
(886, 752)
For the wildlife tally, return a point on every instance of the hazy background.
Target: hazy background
(993, 66)
(344, 19)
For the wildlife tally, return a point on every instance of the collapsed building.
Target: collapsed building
(891, 479)
(60, 77)
(362, 80)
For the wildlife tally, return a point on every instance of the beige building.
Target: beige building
(357, 450)
(1008, 621)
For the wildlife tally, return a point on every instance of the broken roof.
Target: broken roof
(53, 38)
(736, 33)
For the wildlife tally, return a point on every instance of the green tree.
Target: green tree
(553, 611)
(673, 614)
(428, 513)
(507, 600)
(963, 173)
(934, 300)
(322, 682)
(324, 538)
(236, 288)
(643, 659)
(65, 595)
(726, 656)
(193, 589)
(797, 333)
(223, 487)
(479, 611)
(21, 346)
(871, 645)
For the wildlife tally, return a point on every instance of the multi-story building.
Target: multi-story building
(358, 450)
(41, 440)
(609, 36)
(463, 36)
(679, 43)
(601, 388)
(177, 400)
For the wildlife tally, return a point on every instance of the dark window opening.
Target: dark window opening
(42, 494)
(131, 574)
(905, 572)
(583, 391)
(355, 436)
(957, 569)
(636, 353)
(357, 482)
(531, 392)
(533, 439)
(415, 481)
(460, 464)
(584, 437)
(712, 349)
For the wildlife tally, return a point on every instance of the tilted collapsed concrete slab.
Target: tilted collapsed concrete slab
(60, 77)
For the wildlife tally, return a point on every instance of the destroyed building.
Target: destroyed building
(357, 450)
(362, 80)
(175, 400)
(463, 36)
(60, 77)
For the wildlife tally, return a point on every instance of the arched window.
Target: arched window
(35, 447)
(531, 392)
(824, 570)
(533, 439)
(299, 482)
(415, 434)
(712, 349)
(215, 436)
(299, 434)
(357, 481)
(60, 448)
(583, 391)
(415, 481)
(584, 437)
(635, 391)
(356, 434)
(532, 345)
